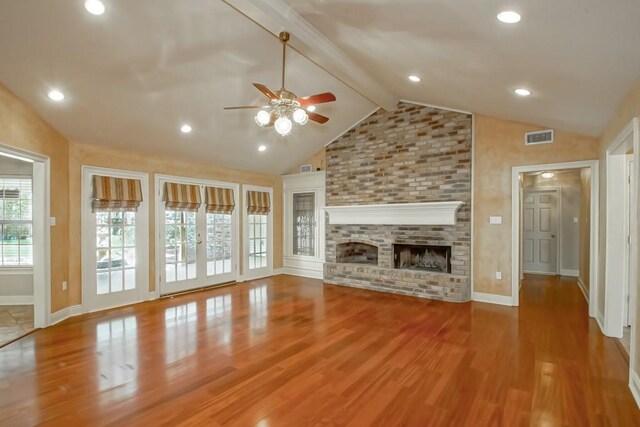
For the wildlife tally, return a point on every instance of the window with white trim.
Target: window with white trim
(257, 241)
(16, 222)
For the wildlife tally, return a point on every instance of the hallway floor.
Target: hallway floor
(289, 351)
(15, 321)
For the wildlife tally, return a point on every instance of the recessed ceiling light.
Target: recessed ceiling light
(311, 108)
(522, 92)
(414, 79)
(94, 7)
(185, 129)
(262, 148)
(509, 17)
(548, 175)
(55, 95)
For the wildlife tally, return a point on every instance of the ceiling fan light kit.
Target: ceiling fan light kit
(285, 107)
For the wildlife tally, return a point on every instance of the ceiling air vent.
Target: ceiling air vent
(539, 137)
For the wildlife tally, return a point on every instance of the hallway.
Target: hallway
(285, 349)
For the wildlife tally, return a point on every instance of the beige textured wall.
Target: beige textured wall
(499, 146)
(90, 155)
(585, 227)
(21, 127)
(629, 109)
(317, 161)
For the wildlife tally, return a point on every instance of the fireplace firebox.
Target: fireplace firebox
(357, 253)
(422, 257)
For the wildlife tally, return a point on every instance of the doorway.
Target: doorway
(548, 221)
(621, 236)
(25, 233)
(197, 223)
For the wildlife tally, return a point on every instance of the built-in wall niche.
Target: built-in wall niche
(422, 257)
(357, 253)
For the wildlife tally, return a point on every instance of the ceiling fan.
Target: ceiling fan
(285, 105)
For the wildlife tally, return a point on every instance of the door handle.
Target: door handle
(199, 241)
(553, 236)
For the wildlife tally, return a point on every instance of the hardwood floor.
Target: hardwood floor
(287, 351)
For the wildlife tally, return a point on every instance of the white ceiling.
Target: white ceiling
(135, 74)
(579, 57)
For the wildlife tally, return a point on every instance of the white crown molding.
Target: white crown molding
(430, 213)
(276, 15)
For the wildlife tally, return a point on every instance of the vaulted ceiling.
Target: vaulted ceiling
(134, 75)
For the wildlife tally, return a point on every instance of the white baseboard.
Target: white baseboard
(541, 273)
(16, 300)
(569, 273)
(584, 289)
(150, 296)
(65, 313)
(634, 385)
(311, 274)
(246, 277)
(492, 299)
(600, 320)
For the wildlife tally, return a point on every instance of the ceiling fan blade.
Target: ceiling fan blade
(319, 118)
(268, 93)
(320, 98)
(243, 107)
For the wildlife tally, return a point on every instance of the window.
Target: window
(304, 226)
(16, 222)
(257, 241)
(181, 239)
(115, 251)
(219, 239)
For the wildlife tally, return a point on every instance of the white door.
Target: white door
(258, 238)
(115, 249)
(540, 221)
(199, 248)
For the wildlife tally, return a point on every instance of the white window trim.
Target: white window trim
(142, 251)
(159, 180)
(20, 269)
(267, 271)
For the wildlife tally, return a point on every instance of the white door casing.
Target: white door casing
(540, 226)
(92, 300)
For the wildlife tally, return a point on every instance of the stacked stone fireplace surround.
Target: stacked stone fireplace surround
(413, 154)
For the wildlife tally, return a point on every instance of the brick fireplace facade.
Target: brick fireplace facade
(413, 154)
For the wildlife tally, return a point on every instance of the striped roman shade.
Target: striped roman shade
(219, 200)
(115, 194)
(258, 202)
(181, 197)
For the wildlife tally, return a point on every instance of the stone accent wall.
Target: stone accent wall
(413, 154)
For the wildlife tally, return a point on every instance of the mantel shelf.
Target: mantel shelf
(429, 213)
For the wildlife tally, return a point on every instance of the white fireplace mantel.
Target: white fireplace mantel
(429, 213)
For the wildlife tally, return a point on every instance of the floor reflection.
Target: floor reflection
(117, 354)
(220, 308)
(259, 309)
(181, 331)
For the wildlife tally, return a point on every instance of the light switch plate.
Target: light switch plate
(495, 220)
(575, 219)
(498, 275)
(52, 221)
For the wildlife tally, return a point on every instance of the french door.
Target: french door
(115, 247)
(195, 248)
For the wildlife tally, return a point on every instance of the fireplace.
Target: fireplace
(422, 257)
(357, 253)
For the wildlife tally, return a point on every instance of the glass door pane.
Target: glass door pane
(219, 241)
(115, 252)
(181, 232)
(304, 225)
(257, 241)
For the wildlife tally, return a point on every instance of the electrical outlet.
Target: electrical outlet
(64, 285)
(498, 275)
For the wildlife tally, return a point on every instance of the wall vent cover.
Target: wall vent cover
(539, 137)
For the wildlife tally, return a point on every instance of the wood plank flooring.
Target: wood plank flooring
(287, 351)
